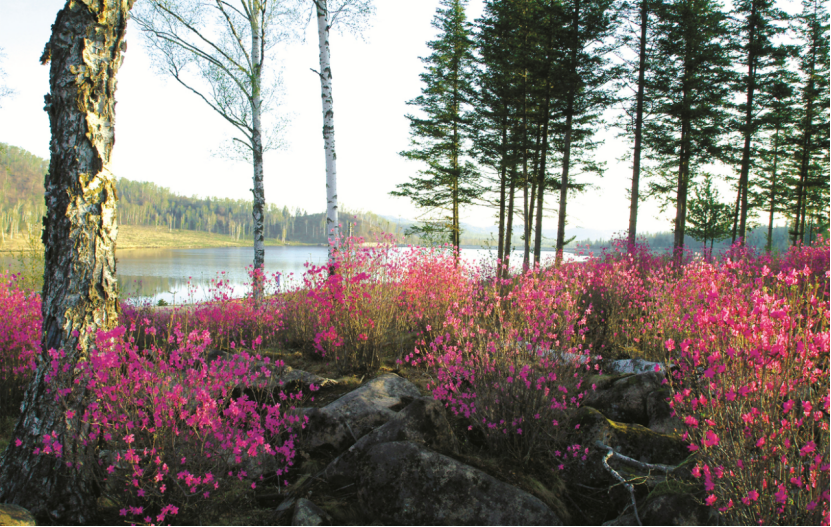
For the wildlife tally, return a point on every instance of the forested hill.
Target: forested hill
(142, 203)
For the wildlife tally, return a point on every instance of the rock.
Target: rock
(422, 421)
(307, 513)
(625, 520)
(405, 483)
(626, 400)
(14, 515)
(340, 424)
(633, 366)
(632, 440)
(660, 413)
(677, 509)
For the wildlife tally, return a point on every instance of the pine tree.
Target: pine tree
(754, 28)
(708, 218)
(690, 87)
(582, 93)
(440, 138)
(812, 129)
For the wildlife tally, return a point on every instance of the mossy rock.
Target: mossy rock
(14, 515)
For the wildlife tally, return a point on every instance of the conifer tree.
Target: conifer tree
(440, 136)
(708, 218)
(810, 180)
(689, 88)
(754, 28)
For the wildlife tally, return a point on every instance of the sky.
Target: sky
(166, 135)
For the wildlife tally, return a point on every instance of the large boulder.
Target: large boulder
(405, 483)
(340, 424)
(307, 513)
(14, 515)
(422, 421)
(677, 509)
(626, 399)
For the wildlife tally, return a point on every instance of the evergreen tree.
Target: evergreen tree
(582, 93)
(708, 217)
(440, 138)
(812, 126)
(636, 25)
(690, 87)
(754, 28)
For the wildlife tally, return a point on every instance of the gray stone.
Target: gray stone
(677, 509)
(307, 513)
(343, 422)
(422, 421)
(626, 400)
(14, 515)
(633, 366)
(405, 483)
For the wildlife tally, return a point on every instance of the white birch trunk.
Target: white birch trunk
(257, 144)
(332, 228)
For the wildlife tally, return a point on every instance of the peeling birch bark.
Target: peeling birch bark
(80, 293)
(257, 146)
(332, 227)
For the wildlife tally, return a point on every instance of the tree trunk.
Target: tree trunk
(541, 177)
(332, 228)
(80, 293)
(636, 157)
(805, 159)
(748, 122)
(773, 189)
(257, 143)
(561, 219)
(509, 228)
(503, 172)
(681, 193)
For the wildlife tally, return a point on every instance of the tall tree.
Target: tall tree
(689, 89)
(583, 91)
(709, 218)
(80, 292)
(636, 20)
(755, 25)
(813, 124)
(768, 186)
(440, 138)
(218, 50)
(350, 13)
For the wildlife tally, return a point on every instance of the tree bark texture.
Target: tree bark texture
(80, 293)
(257, 143)
(332, 229)
(748, 123)
(636, 157)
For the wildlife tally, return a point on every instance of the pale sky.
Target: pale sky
(165, 134)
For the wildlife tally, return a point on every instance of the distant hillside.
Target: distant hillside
(147, 204)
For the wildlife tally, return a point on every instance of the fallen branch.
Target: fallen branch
(646, 467)
(620, 478)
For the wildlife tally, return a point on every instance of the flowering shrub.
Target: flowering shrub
(20, 330)
(174, 430)
(512, 364)
(753, 390)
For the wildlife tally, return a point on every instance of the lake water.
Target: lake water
(184, 275)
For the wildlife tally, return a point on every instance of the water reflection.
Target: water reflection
(185, 275)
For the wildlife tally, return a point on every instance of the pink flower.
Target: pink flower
(711, 499)
(809, 447)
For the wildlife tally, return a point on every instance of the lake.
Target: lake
(164, 274)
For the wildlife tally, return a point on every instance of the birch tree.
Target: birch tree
(350, 15)
(217, 49)
(80, 292)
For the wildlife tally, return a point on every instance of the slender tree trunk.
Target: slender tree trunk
(561, 219)
(773, 189)
(509, 229)
(80, 292)
(805, 159)
(735, 230)
(332, 228)
(503, 172)
(681, 195)
(525, 230)
(257, 143)
(561, 226)
(541, 177)
(748, 122)
(636, 157)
